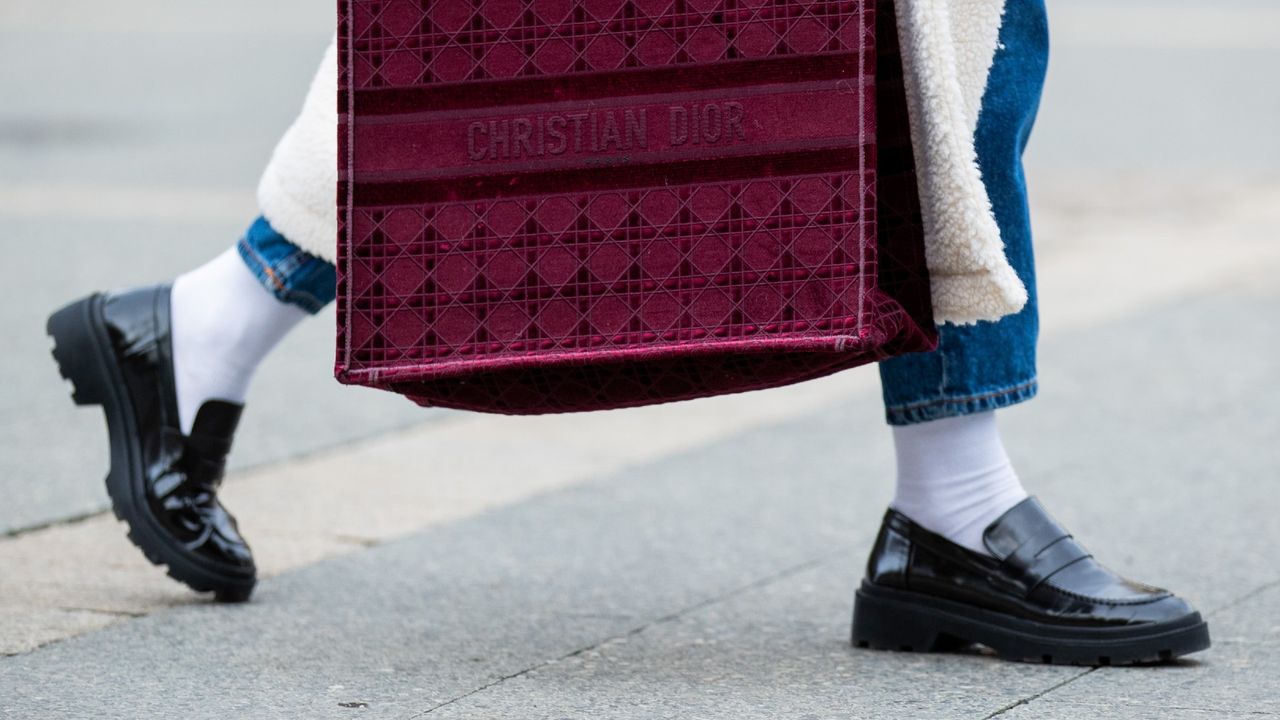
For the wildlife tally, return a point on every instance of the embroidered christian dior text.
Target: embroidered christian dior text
(602, 131)
(710, 124)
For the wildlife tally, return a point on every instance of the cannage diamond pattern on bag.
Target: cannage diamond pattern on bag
(568, 205)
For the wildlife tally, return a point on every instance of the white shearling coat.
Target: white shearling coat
(948, 47)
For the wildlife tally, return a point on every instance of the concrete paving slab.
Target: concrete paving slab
(46, 576)
(1067, 712)
(24, 628)
(777, 650)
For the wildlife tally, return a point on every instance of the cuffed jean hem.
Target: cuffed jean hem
(292, 274)
(938, 408)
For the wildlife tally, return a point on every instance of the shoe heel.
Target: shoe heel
(886, 624)
(76, 352)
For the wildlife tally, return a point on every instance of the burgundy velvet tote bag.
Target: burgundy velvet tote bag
(562, 205)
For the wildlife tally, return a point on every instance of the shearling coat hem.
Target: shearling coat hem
(948, 47)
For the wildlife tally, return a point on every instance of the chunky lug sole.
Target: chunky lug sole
(889, 619)
(82, 349)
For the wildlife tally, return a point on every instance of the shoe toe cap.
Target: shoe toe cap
(1169, 608)
(225, 544)
(237, 554)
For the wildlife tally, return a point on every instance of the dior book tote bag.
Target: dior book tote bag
(562, 205)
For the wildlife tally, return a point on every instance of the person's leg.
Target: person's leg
(230, 312)
(954, 477)
(964, 555)
(170, 365)
(942, 401)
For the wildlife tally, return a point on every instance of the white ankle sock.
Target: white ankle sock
(954, 477)
(224, 323)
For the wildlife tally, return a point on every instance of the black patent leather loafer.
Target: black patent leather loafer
(116, 351)
(1039, 597)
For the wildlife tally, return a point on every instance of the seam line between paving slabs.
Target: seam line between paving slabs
(671, 617)
(1037, 696)
(1243, 598)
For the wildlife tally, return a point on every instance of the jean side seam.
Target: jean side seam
(259, 266)
(271, 278)
(943, 357)
(289, 264)
(288, 267)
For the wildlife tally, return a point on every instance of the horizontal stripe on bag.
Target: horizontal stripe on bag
(752, 166)
(586, 86)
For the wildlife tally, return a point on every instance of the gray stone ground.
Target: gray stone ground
(710, 582)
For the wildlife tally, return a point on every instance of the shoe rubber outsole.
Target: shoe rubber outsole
(82, 350)
(890, 619)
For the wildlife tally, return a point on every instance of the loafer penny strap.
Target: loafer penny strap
(1036, 561)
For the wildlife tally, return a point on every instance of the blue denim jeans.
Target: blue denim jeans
(975, 367)
(991, 364)
(293, 275)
